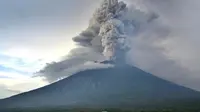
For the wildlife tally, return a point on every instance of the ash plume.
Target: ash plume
(158, 36)
(109, 28)
(105, 42)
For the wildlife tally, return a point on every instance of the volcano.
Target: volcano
(117, 87)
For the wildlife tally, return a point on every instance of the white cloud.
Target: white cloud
(21, 64)
(6, 93)
(30, 37)
(13, 86)
(12, 74)
(42, 32)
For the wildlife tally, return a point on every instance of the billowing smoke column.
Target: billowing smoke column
(114, 24)
(105, 42)
(106, 30)
(109, 28)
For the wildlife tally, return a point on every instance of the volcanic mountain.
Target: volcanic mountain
(122, 86)
(118, 87)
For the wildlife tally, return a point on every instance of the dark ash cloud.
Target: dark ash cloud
(162, 37)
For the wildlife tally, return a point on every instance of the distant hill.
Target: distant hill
(118, 87)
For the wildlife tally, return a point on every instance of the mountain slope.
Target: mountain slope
(121, 87)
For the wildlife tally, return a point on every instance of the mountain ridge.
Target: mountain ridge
(123, 87)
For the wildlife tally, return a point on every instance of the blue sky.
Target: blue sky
(5, 69)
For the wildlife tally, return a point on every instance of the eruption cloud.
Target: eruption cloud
(106, 39)
(158, 36)
(109, 29)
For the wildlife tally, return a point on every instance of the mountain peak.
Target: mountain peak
(118, 87)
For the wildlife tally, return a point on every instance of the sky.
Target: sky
(36, 32)
(33, 33)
